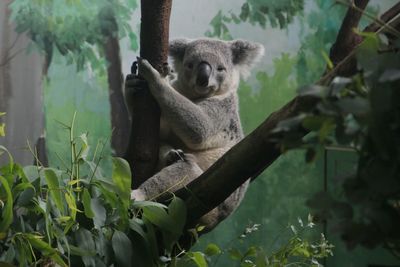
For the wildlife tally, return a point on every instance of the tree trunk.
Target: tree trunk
(119, 112)
(142, 153)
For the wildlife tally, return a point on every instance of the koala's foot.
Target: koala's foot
(174, 155)
(138, 195)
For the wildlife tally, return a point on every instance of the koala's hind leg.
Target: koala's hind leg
(169, 179)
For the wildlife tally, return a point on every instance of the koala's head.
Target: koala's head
(209, 67)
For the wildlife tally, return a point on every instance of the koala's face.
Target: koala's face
(208, 67)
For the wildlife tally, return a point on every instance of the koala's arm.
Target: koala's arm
(193, 123)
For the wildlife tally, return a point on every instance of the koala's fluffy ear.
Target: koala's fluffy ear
(177, 48)
(245, 54)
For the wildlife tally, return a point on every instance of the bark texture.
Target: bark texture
(142, 152)
(389, 24)
(119, 112)
(347, 39)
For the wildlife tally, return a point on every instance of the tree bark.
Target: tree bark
(119, 112)
(246, 159)
(347, 39)
(342, 67)
(142, 152)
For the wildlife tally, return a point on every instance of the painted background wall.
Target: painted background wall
(293, 58)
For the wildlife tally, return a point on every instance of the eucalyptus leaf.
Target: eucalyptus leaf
(122, 249)
(159, 217)
(86, 201)
(212, 249)
(54, 188)
(199, 259)
(7, 214)
(85, 243)
(122, 178)
(99, 212)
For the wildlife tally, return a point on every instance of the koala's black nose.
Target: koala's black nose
(203, 73)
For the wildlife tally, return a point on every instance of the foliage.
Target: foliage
(360, 113)
(298, 251)
(277, 13)
(2, 126)
(78, 217)
(76, 28)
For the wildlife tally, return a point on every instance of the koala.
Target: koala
(199, 113)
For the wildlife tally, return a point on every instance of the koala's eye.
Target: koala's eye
(189, 65)
(220, 68)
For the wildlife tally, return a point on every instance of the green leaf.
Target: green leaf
(7, 214)
(37, 242)
(71, 204)
(84, 149)
(54, 188)
(85, 242)
(135, 226)
(26, 196)
(199, 259)
(158, 216)
(235, 254)
(86, 200)
(121, 176)
(142, 204)
(2, 129)
(177, 211)
(122, 249)
(99, 213)
(31, 173)
(10, 158)
(212, 249)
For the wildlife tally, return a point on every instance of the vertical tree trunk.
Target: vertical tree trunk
(142, 153)
(119, 112)
(20, 87)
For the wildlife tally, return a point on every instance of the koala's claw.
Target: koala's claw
(134, 68)
(174, 155)
(166, 70)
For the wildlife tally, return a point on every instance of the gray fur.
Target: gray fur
(202, 121)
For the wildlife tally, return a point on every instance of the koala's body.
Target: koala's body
(199, 113)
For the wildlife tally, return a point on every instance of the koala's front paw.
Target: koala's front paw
(174, 155)
(147, 71)
(134, 84)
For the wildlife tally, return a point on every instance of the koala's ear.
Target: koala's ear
(245, 54)
(177, 48)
